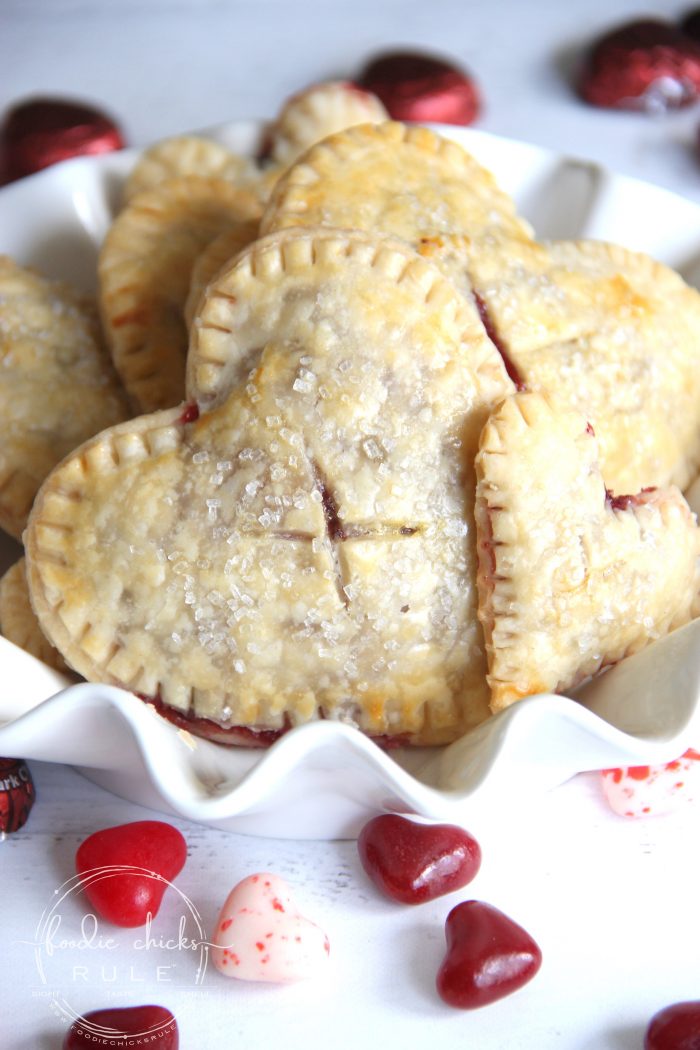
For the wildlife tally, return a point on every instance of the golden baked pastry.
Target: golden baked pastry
(612, 333)
(18, 622)
(57, 384)
(608, 330)
(571, 578)
(145, 265)
(216, 254)
(304, 549)
(298, 540)
(187, 155)
(390, 178)
(317, 112)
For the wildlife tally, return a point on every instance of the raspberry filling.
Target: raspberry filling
(625, 502)
(246, 736)
(492, 333)
(207, 728)
(190, 413)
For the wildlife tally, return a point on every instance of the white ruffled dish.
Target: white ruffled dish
(324, 780)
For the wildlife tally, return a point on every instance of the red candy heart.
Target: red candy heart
(414, 862)
(419, 87)
(153, 1025)
(648, 64)
(676, 1027)
(43, 131)
(17, 794)
(126, 870)
(488, 956)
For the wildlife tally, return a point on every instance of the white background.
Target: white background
(163, 66)
(613, 903)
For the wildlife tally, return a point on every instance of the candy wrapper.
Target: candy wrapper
(648, 65)
(422, 88)
(43, 131)
(17, 794)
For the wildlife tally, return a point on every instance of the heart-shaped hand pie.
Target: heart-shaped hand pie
(260, 935)
(144, 270)
(58, 386)
(611, 332)
(305, 547)
(402, 181)
(18, 622)
(186, 155)
(213, 258)
(570, 577)
(321, 110)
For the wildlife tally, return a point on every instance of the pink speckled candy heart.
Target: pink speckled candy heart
(260, 935)
(641, 791)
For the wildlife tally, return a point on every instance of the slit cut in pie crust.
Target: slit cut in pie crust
(303, 547)
(571, 578)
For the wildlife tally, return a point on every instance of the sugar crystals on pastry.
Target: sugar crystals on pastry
(18, 622)
(57, 383)
(571, 578)
(145, 266)
(612, 333)
(304, 548)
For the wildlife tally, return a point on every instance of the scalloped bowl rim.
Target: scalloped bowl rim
(324, 779)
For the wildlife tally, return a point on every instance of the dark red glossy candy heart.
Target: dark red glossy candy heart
(646, 64)
(126, 870)
(152, 1025)
(675, 1027)
(17, 794)
(42, 131)
(488, 956)
(423, 88)
(413, 862)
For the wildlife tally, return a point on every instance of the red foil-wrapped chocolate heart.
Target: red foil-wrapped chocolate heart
(422, 88)
(690, 23)
(649, 65)
(17, 794)
(43, 131)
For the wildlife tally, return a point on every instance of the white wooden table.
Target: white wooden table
(611, 902)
